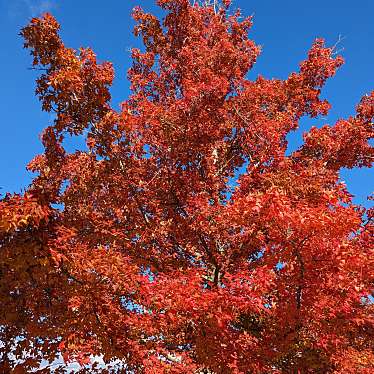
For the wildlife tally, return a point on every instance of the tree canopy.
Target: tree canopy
(183, 238)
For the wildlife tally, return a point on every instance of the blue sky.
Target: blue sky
(285, 29)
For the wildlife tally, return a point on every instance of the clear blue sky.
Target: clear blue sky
(285, 29)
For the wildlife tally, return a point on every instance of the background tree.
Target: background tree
(153, 254)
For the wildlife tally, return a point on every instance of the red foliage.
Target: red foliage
(154, 257)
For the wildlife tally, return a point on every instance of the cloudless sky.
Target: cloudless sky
(285, 29)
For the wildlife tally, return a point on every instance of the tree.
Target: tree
(142, 248)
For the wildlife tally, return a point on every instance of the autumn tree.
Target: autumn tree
(141, 247)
